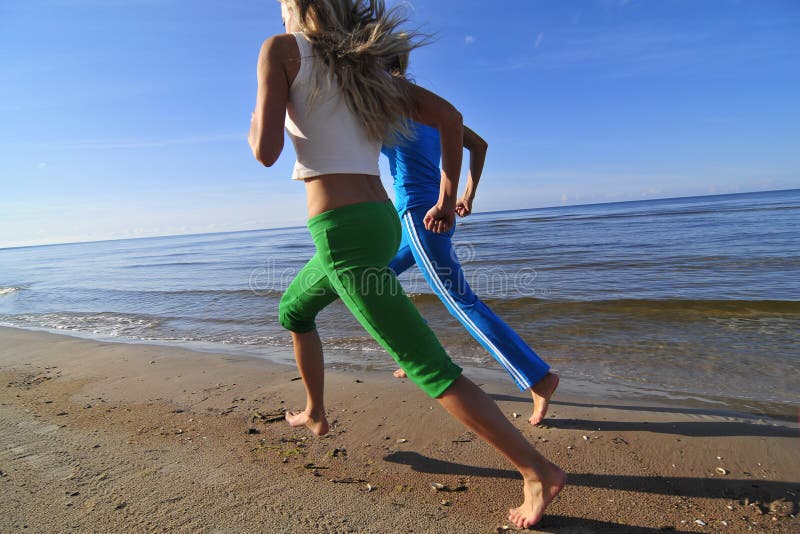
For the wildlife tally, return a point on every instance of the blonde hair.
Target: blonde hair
(356, 41)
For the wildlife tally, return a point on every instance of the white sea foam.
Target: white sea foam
(104, 324)
(8, 290)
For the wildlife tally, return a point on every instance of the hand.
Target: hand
(439, 219)
(464, 207)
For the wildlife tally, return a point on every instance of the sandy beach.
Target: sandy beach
(117, 437)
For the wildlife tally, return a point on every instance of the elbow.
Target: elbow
(267, 160)
(267, 156)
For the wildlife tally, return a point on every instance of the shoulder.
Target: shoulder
(281, 48)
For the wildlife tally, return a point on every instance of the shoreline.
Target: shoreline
(341, 360)
(125, 436)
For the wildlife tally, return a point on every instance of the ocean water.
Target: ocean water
(688, 298)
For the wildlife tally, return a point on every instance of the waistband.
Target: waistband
(349, 213)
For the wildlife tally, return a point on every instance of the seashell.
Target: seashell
(370, 488)
(402, 440)
(700, 522)
(514, 415)
(585, 438)
(436, 486)
(722, 471)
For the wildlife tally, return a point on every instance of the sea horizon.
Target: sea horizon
(458, 219)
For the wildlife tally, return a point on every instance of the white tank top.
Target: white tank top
(328, 138)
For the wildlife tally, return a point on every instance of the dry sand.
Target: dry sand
(114, 437)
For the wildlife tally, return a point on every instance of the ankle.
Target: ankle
(530, 475)
(316, 412)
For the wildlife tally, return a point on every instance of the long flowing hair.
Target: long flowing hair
(356, 41)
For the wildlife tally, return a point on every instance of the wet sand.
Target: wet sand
(117, 437)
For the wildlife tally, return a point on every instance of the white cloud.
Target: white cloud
(539, 40)
(41, 165)
(469, 39)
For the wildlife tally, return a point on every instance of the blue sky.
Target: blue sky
(126, 118)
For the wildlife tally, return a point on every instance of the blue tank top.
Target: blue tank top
(414, 165)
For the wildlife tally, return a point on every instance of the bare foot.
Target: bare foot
(538, 496)
(541, 393)
(318, 424)
(400, 374)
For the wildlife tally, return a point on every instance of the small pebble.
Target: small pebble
(370, 488)
(586, 438)
(436, 486)
(514, 415)
(700, 522)
(445, 503)
(569, 447)
(722, 471)
(402, 440)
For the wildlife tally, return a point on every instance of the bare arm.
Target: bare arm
(434, 111)
(266, 124)
(477, 156)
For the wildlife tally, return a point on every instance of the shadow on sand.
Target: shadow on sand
(682, 428)
(577, 525)
(762, 491)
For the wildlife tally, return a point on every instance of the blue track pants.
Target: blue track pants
(434, 255)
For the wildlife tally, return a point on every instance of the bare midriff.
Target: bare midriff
(331, 191)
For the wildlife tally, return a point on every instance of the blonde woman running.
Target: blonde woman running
(327, 82)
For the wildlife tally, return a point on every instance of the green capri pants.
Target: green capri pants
(354, 245)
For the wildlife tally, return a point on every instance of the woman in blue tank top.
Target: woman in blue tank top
(414, 165)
